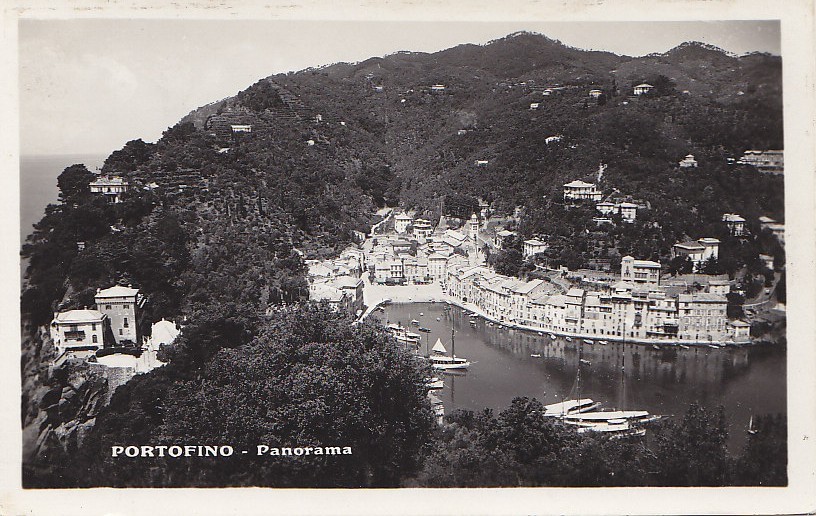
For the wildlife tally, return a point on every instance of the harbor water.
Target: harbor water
(507, 363)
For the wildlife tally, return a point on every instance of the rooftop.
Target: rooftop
(79, 316)
(117, 291)
(579, 184)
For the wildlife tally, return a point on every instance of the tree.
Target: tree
(681, 265)
(73, 184)
(694, 452)
(309, 379)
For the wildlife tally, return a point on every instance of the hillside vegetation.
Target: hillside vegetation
(217, 226)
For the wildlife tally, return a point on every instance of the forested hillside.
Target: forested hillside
(217, 225)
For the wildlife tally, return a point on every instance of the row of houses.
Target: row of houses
(624, 311)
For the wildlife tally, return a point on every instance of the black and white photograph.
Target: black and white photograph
(382, 253)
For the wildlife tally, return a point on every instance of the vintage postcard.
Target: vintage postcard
(361, 257)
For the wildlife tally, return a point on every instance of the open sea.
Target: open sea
(38, 184)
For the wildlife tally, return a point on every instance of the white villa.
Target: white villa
(78, 330)
(688, 162)
(641, 89)
(735, 223)
(534, 246)
(401, 222)
(579, 190)
(112, 187)
(699, 252)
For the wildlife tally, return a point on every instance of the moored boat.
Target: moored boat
(440, 360)
(603, 342)
(587, 341)
(566, 407)
(552, 336)
(568, 339)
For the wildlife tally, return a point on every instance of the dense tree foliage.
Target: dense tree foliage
(521, 447)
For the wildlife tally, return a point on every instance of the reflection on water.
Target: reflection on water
(747, 380)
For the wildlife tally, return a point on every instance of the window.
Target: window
(93, 328)
(126, 322)
(120, 331)
(107, 307)
(94, 339)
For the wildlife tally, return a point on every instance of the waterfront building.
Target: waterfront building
(401, 222)
(579, 190)
(642, 89)
(642, 312)
(702, 317)
(741, 330)
(112, 187)
(628, 211)
(735, 223)
(241, 128)
(688, 162)
(78, 330)
(533, 106)
(595, 93)
(534, 246)
(338, 300)
(640, 271)
(353, 288)
(122, 307)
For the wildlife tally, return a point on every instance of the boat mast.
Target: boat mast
(453, 344)
(623, 367)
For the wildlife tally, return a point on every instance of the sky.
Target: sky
(90, 85)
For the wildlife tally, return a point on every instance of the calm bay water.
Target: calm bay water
(746, 381)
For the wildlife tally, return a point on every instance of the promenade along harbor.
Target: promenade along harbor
(506, 363)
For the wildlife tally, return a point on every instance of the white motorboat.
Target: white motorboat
(552, 336)
(434, 383)
(585, 361)
(568, 339)
(414, 322)
(607, 416)
(570, 407)
(587, 341)
(535, 355)
(404, 336)
(603, 342)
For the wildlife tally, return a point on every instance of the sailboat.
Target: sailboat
(616, 422)
(440, 360)
(572, 406)
(751, 430)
